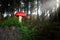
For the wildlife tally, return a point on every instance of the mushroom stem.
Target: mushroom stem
(20, 18)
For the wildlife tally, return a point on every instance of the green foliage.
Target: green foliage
(10, 21)
(26, 31)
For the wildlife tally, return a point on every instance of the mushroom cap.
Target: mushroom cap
(20, 14)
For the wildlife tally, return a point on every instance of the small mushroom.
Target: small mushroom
(20, 14)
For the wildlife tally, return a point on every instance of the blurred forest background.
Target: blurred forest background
(41, 23)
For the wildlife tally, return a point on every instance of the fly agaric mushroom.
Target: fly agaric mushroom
(20, 14)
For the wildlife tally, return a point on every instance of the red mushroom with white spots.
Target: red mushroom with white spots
(20, 14)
